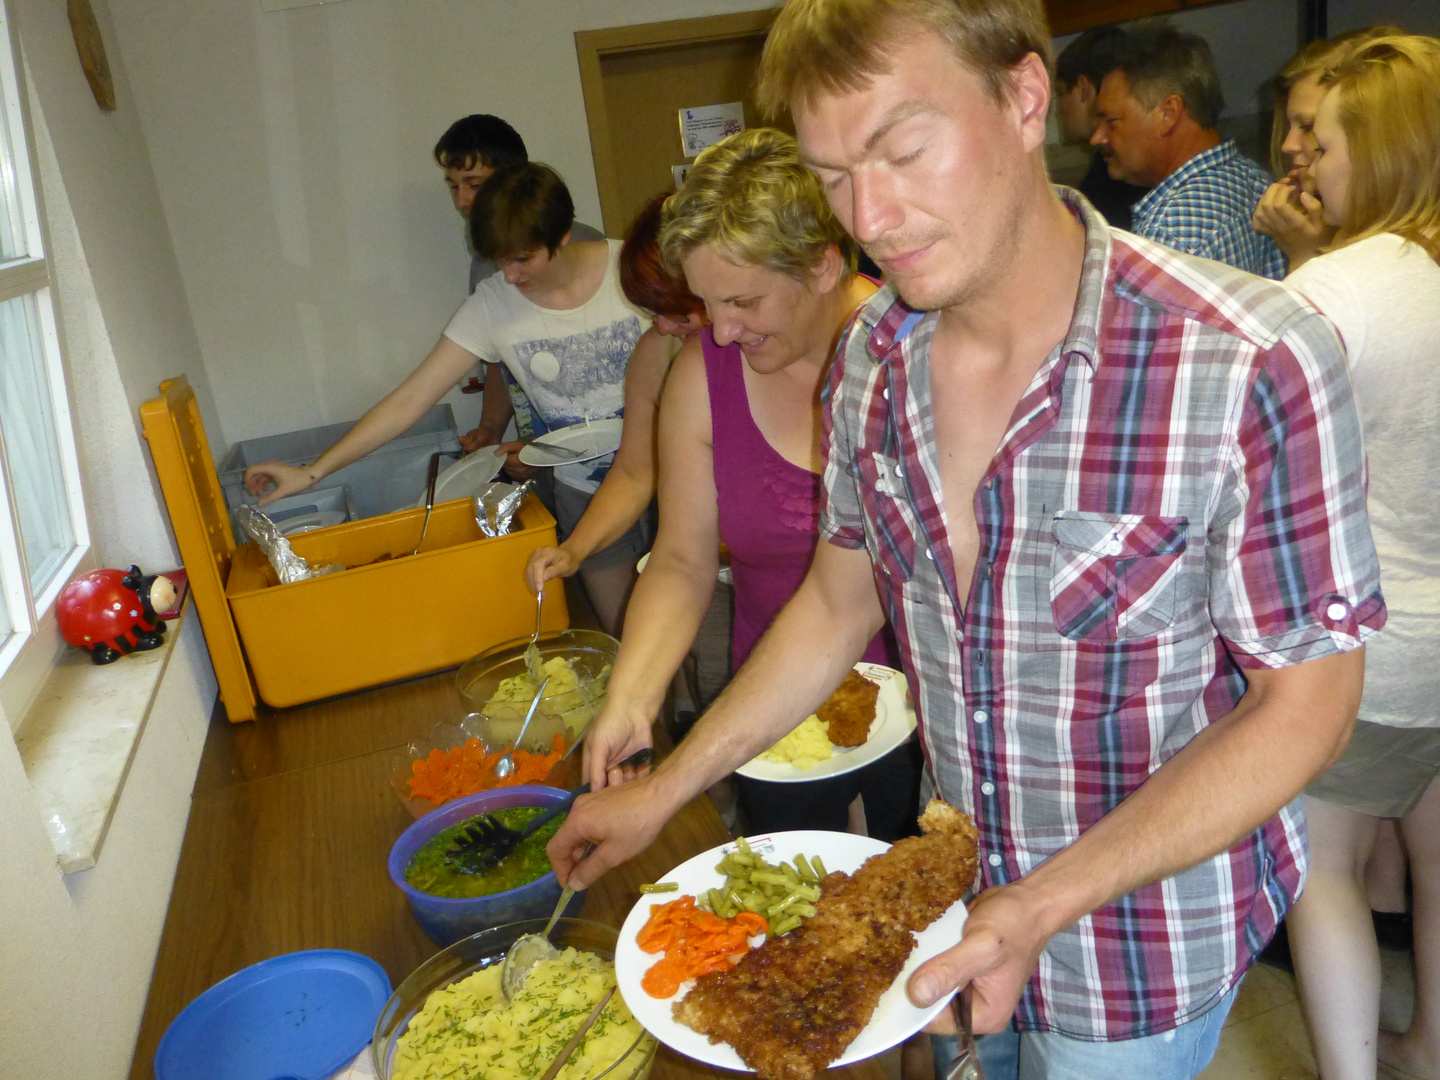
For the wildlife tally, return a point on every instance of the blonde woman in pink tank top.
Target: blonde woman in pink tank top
(740, 457)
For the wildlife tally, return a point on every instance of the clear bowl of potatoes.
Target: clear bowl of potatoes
(450, 1010)
(498, 685)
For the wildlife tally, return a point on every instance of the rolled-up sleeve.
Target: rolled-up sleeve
(841, 518)
(1294, 574)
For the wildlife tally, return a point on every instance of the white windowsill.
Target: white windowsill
(78, 738)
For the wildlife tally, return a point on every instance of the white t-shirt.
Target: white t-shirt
(1383, 295)
(571, 364)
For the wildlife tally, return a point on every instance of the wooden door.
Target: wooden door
(636, 79)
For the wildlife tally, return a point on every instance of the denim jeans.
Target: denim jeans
(1178, 1054)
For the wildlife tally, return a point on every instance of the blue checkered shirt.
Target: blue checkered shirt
(1203, 208)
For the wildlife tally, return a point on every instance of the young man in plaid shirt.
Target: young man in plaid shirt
(1111, 499)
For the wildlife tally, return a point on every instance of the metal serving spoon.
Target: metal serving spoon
(569, 1048)
(506, 765)
(431, 476)
(530, 949)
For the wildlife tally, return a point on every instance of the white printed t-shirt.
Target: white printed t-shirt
(571, 364)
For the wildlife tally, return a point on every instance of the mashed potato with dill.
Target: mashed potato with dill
(466, 1031)
(805, 747)
(571, 701)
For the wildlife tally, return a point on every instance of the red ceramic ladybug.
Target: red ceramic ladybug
(112, 612)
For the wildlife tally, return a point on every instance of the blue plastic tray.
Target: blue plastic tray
(303, 1015)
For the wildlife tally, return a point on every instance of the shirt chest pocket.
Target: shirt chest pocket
(1115, 577)
(890, 526)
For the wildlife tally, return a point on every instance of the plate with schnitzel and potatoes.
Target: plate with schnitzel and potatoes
(867, 716)
(829, 989)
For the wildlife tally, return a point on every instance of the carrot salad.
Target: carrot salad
(694, 942)
(449, 774)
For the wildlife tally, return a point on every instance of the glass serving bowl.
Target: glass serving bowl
(477, 681)
(480, 951)
(589, 652)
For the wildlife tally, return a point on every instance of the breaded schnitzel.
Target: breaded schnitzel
(792, 1006)
(850, 710)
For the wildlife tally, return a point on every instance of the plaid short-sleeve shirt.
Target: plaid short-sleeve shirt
(1204, 208)
(1179, 497)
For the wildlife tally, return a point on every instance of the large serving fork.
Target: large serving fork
(966, 1065)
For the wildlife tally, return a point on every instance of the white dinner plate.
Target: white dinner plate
(893, 723)
(315, 519)
(895, 1019)
(466, 477)
(574, 444)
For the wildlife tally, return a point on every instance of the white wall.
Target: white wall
(319, 249)
(76, 952)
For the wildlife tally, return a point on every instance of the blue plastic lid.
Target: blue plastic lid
(303, 1015)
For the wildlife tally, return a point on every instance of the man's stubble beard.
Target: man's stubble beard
(986, 268)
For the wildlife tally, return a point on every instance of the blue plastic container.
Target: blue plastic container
(447, 920)
(303, 1015)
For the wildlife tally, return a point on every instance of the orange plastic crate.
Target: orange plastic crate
(388, 620)
(361, 627)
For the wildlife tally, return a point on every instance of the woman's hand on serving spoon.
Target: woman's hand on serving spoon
(617, 733)
(549, 562)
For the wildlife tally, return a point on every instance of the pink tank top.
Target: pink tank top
(769, 509)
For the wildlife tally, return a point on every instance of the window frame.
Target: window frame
(30, 651)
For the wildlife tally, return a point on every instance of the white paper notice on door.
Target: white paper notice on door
(709, 124)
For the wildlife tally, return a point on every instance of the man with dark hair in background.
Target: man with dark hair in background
(471, 150)
(1157, 112)
(1079, 71)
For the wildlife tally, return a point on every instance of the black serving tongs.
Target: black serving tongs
(487, 842)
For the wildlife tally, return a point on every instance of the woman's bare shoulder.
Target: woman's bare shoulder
(686, 400)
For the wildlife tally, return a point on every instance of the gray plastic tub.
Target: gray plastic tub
(384, 480)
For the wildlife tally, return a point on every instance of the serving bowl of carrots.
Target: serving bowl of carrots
(458, 759)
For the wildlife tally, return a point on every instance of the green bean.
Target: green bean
(784, 926)
(767, 877)
(661, 886)
(783, 893)
(794, 897)
(820, 871)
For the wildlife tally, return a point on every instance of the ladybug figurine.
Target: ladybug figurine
(112, 612)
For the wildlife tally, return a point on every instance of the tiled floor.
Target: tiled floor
(1265, 1037)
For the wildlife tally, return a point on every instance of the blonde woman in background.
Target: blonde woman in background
(1376, 170)
(1289, 212)
(740, 458)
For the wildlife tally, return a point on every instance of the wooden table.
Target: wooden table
(291, 823)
